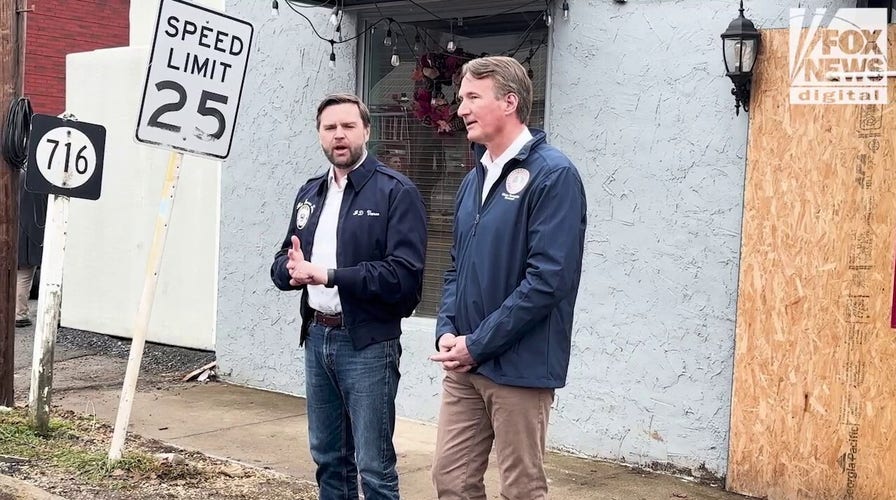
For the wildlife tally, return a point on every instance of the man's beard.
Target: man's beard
(355, 154)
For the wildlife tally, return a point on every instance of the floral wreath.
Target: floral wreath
(434, 71)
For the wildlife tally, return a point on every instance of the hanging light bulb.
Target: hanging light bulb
(334, 16)
(451, 43)
(530, 73)
(395, 59)
(332, 56)
(565, 10)
(388, 40)
(275, 9)
(417, 41)
(548, 18)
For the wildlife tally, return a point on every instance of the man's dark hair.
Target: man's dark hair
(334, 99)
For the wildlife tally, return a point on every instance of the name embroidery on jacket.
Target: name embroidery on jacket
(368, 213)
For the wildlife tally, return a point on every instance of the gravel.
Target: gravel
(157, 358)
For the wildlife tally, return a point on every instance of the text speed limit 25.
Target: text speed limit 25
(195, 79)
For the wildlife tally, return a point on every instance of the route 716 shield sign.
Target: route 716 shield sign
(65, 157)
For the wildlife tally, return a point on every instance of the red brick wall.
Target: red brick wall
(56, 28)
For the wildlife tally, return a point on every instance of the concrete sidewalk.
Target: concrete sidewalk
(269, 429)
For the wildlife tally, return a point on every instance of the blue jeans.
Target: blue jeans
(351, 414)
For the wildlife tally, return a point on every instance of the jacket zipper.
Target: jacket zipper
(480, 205)
(347, 313)
(463, 251)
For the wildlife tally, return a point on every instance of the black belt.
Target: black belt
(329, 320)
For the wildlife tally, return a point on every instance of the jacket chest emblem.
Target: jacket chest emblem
(516, 182)
(303, 213)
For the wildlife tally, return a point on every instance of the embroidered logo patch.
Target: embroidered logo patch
(303, 213)
(517, 181)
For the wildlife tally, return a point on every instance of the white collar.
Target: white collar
(331, 177)
(515, 147)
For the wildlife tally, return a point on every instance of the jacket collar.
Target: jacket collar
(538, 137)
(357, 177)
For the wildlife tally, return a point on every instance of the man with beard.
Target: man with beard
(355, 247)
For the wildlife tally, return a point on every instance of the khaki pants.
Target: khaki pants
(475, 413)
(24, 277)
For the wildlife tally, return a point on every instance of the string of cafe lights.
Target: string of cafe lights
(337, 14)
(335, 19)
(390, 40)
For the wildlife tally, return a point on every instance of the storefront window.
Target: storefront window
(415, 128)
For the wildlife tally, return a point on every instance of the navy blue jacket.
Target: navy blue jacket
(516, 265)
(381, 246)
(32, 217)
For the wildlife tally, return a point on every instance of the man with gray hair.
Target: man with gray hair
(505, 321)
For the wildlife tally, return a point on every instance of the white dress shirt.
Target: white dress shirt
(323, 253)
(493, 168)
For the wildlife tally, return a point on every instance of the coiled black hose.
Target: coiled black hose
(18, 127)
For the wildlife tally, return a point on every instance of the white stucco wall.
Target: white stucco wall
(639, 100)
(658, 140)
(275, 149)
(109, 239)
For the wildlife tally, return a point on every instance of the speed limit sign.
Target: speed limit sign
(65, 157)
(195, 78)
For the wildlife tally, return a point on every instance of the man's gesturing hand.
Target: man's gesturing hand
(300, 270)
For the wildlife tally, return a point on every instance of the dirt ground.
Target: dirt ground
(71, 462)
(269, 432)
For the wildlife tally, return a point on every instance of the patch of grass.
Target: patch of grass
(94, 466)
(17, 437)
(80, 445)
(71, 460)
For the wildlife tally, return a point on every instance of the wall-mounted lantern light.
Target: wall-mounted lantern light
(740, 44)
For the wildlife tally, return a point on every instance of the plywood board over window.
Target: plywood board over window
(814, 396)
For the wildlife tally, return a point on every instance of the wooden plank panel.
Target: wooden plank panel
(814, 394)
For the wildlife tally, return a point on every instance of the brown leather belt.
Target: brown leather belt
(329, 320)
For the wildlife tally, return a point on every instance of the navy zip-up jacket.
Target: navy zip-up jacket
(516, 265)
(380, 250)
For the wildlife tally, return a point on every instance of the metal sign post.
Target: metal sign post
(65, 159)
(190, 101)
(145, 309)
